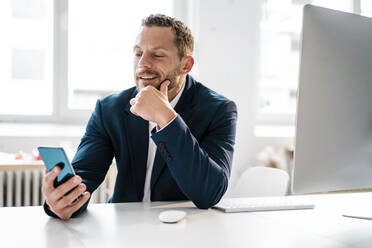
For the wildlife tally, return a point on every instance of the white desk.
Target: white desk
(137, 225)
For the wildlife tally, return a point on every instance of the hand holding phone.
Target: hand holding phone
(56, 156)
(64, 193)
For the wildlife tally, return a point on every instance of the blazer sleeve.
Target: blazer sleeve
(95, 152)
(201, 170)
(93, 157)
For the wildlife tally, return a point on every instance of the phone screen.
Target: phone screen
(56, 156)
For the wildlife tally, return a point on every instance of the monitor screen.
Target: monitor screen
(333, 146)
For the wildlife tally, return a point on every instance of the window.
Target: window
(280, 43)
(366, 8)
(100, 46)
(58, 57)
(26, 61)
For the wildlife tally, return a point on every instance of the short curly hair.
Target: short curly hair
(183, 40)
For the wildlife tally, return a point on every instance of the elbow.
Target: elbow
(202, 205)
(212, 197)
(205, 204)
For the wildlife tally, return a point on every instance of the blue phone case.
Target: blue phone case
(56, 156)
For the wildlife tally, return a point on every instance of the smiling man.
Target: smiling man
(172, 137)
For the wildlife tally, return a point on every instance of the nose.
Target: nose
(144, 61)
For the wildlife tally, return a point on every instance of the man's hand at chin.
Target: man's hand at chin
(153, 105)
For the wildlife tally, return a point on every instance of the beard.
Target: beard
(172, 76)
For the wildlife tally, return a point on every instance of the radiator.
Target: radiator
(20, 188)
(23, 188)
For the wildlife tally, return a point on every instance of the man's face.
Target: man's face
(156, 58)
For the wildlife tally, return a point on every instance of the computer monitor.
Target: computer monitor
(333, 146)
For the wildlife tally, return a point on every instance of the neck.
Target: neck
(173, 92)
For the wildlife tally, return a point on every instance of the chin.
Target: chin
(154, 83)
(141, 85)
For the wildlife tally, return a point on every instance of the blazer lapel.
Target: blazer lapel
(184, 109)
(138, 142)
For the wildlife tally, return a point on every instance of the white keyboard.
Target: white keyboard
(252, 204)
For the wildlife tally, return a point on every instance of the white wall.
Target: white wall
(23, 137)
(228, 55)
(228, 60)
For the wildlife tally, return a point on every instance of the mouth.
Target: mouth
(147, 79)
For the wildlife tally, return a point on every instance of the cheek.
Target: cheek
(135, 62)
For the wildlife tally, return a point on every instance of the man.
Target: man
(172, 137)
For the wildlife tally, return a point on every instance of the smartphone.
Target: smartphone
(56, 156)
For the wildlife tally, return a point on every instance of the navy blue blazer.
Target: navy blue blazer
(194, 152)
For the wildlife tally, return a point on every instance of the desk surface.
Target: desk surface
(137, 225)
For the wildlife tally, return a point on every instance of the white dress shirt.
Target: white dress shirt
(152, 151)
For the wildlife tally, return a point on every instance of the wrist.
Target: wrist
(166, 118)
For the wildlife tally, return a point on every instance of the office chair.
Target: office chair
(261, 181)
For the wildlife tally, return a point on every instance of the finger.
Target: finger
(71, 197)
(62, 189)
(140, 93)
(48, 182)
(83, 198)
(132, 101)
(164, 87)
(67, 212)
(132, 109)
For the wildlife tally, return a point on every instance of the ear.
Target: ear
(187, 64)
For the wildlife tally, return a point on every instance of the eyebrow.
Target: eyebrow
(155, 48)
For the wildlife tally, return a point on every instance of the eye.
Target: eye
(137, 53)
(158, 56)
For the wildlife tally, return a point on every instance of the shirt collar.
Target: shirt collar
(175, 100)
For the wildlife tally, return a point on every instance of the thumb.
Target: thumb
(164, 87)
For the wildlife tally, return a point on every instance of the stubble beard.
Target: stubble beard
(172, 76)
